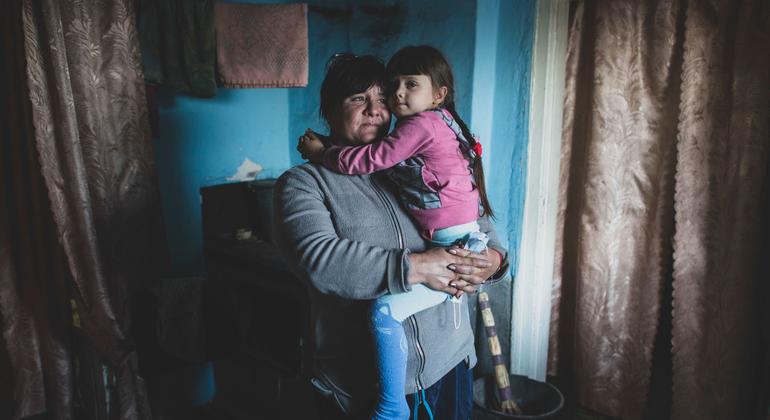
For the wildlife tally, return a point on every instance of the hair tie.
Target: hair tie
(477, 149)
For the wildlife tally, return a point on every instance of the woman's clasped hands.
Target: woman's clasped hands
(452, 270)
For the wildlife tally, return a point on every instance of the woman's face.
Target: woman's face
(361, 118)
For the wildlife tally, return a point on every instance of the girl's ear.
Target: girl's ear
(439, 95)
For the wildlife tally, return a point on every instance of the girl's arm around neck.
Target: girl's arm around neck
(410, 138)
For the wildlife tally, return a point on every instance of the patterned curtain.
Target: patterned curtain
(90, 165)
(34, 309)
(664, 184)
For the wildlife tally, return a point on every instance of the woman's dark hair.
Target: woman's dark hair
(428, 61)
(348, 74)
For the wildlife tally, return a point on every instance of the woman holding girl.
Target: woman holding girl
(349, 238)
(436, 163)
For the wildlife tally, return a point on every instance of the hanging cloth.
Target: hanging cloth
(177, 44)
(262, 45)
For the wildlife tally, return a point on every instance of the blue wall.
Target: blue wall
(202, 142)
(508, 162)
(500, 102)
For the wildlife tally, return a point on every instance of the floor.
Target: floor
(245, 392)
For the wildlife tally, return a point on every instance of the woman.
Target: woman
(348, 237)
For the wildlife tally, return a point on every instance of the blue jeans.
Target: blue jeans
(451, 398)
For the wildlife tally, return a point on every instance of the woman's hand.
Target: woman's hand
(311, 147)
(454, 270)
(483, 266)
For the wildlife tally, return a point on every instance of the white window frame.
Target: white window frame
(532, 287)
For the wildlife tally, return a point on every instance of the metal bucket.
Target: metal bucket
(537, 400)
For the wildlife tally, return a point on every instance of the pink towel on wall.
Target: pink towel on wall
(261, 45)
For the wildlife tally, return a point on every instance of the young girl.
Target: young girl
(436, 163)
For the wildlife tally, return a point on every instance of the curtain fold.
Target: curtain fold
(665, 149)
(92, 142)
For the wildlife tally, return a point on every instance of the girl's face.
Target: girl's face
(361, 118)
(411, 94)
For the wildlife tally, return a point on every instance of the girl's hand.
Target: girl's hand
(311, 147)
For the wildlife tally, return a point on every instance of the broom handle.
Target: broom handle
(501, 373)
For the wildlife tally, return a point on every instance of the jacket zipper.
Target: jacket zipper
(420, 354)
(412, 321)
(392, 212)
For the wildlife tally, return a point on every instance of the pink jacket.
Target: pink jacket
(428, 157)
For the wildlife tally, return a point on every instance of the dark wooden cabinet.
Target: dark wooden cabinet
(253, 304)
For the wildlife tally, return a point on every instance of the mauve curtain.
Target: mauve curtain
(34, 308)
(664, 162)
(722, 167)
(91, 133)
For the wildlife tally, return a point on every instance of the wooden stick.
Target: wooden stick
(507, 404)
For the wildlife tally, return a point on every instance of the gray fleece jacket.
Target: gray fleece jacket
(348, 238)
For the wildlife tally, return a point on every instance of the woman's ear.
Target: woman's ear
(439, 95)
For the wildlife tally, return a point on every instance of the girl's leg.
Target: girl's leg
(388, 313)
